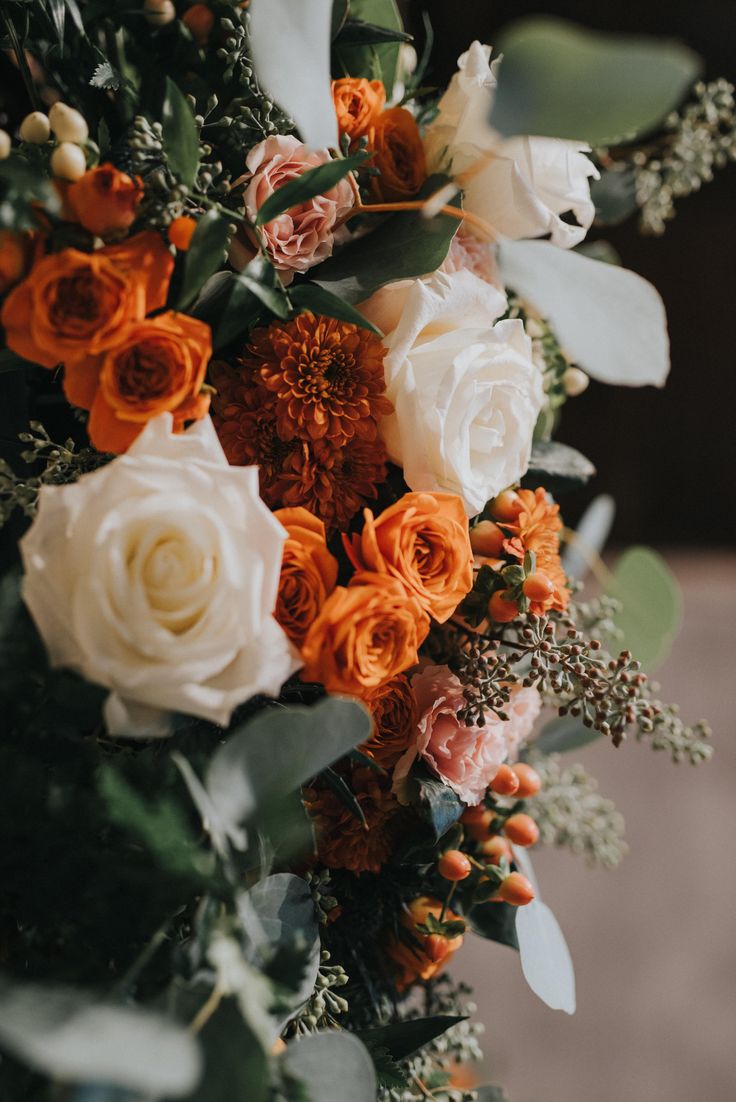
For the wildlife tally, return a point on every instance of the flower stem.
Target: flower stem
(20, 57)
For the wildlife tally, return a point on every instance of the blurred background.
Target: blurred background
(652, 942)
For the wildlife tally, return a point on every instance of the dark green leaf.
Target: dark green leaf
(340, 12)
(204, 256)
(565, 81)
(495, 922)
(403, 246)
(390, 1076)
(376, 62)
(614, 196)
(73, 9)
(565, 733)
(269, 291)
(435, 801)
(180, 134)
(316, 181)
(356, 33)
(403, 1039)
(235, 1064)
(231, 303)
(651, 605)
(310, 296)
(557, 467)
(57, 11)
(345, 795)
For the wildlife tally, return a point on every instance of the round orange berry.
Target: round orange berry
(436, 947)
(537, 587)
(454, 865)
(487, 538)
(506, 782)
(521, 829)
(529, 780)
(507, 505)
(200, 20)
(477, 821)
(181, 231)
(501, 609)
(494, 849)
(516, 890)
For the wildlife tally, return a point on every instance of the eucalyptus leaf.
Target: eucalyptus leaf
(332, 1066)
(565, 81)
(315, 181)
(204, 256)
(356, 33)
(310, 296)
(435, 801)
(545, 957)
(651, 605)
(180, 134)
(614, 196)
(491, 1094)
(403, 1038)
(70, 1034)
(557, 467)
(235, 1064)
(589, 538)
(563, 734)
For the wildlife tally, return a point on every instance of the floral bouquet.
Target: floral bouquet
(297, 637)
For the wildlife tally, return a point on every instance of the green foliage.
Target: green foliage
(235, 1064)
(316, 181)
(565, 81)
(495, 922)
(614, 195)
(403, 1038)
(563, 734)
(310, 296)
(231, 303)
(437, 804)
(650, 604)
(180, 134)
(22, 185)
(205, 255)
(326, 1062)
(374, 60)
(557, 467)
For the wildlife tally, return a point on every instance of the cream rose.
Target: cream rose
(526, 183)
(156, 576)
(466, 392)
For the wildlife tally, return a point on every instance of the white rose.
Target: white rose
(466, 392)
(156, 576)
(525, 183)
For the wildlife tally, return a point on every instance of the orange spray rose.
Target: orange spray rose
(308, 573)
(364, 635)
(358, 103)
(398, 153)
(394, 712)
(422, 541)
(104, 200)
(424, 956)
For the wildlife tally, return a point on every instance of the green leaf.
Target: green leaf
(495, 922)
(76, 16)
(651, 605)
(376, 62)
(563, 734)
(356, 33)
(340, 12)
(180, 134)
(231, 303)
(600, 250)
(403, 1039)
(70, 1034)
(614, 196)
(204, 256)
(316, 181)
(403, 246)
(491, 1094)
(235, 1064)
(345, 795)
(564, 81)
(435, 801)
(390, 1076)
(557, 467)
(107, 77)
(330, 1064)
(57, 11)
(318, 300)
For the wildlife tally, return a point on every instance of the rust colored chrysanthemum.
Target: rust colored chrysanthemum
(537, 528)
(326, 377)
(394, 712)
(334, 485)
(342, 840)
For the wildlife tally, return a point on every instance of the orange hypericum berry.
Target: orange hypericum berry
(506, 782)
(477, 821)
(501, 609)
(494, 849)
(454, 865)
(521, 830)
(181, 231)
(507, 505)
(200, 20)
(529, 780)
(436, 947)
(538, 587)
(516, 890)
(487, 538)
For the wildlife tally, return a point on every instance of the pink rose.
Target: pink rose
(469, 253)
(303, 236)
(465, 758)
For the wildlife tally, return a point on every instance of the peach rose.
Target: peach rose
(398, 154)
(302, 236)
(465, 758)
(105, 200)
(358, 103)
(308, 573)
(422, 541)
(364, 635)
(73, 305)
(424, 959)
(394, 713)
(157, 366)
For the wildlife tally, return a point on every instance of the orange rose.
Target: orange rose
(398, 153)
(105, 200)
(394, 712)
(364, 635)
(308, 573)
(421, 958)
(73, 305)
(358, 103)
(15, 256)
(422, 541)
(157, 366)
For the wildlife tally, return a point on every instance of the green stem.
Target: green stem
(20, 56)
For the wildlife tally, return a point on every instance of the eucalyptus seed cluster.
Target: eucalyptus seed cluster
(324, 1006)
(486, 674)
(570, 812)
(319, 887)
(596, 617)
(165, 197)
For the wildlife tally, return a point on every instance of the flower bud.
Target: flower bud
(68, 161)
(159, 12)
(67, 124)
(575, 381)
(5, 144)
(35, 128)
(436, 947)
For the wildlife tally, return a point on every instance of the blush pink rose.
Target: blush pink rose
(303, 236)
(465, 758)
(469, 253)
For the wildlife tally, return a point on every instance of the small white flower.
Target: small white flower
(156, 576)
